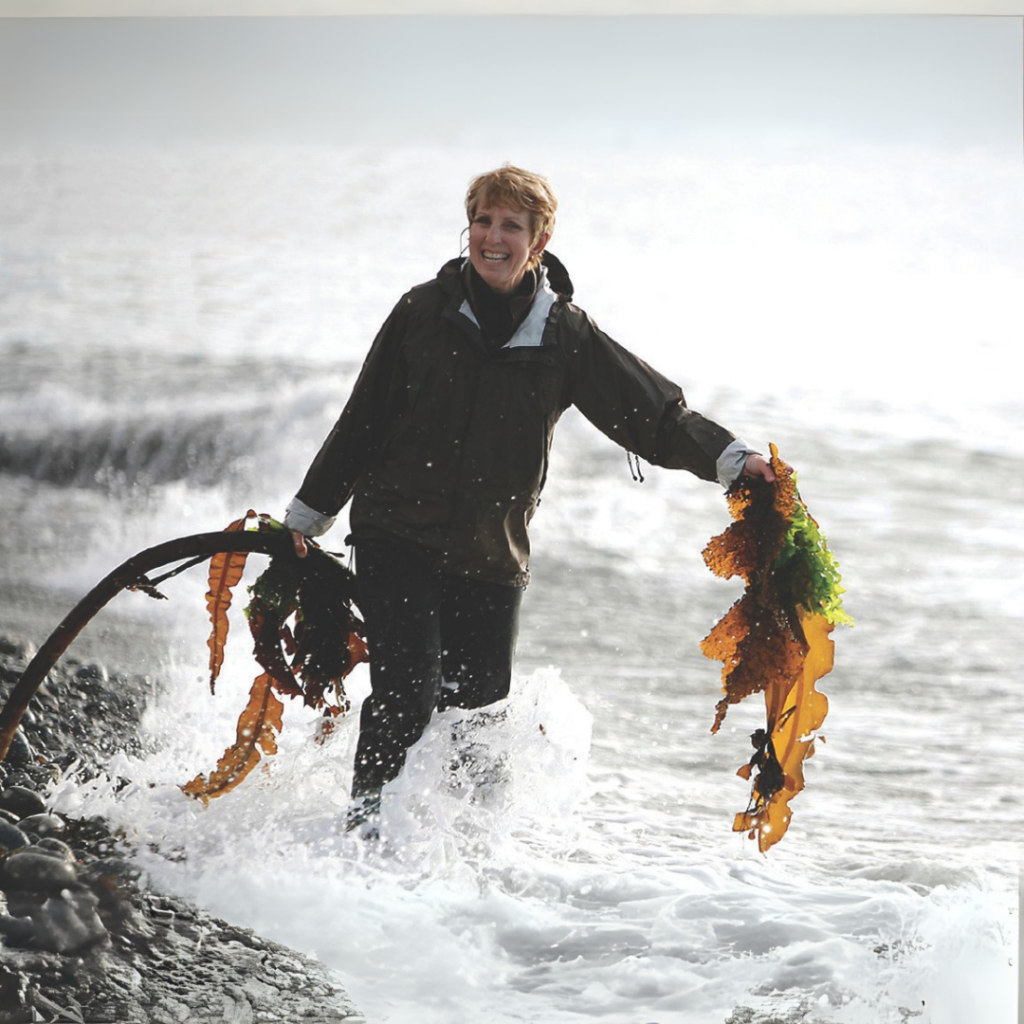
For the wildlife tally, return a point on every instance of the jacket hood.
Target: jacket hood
(558, 276)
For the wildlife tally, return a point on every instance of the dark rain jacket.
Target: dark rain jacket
(444, 441)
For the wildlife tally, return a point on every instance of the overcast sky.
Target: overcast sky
(207, 8)
(948, 81)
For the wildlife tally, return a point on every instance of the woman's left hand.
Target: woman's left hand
(758, 465)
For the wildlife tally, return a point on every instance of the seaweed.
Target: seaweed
(307, 633)
(307, 637)
(775, 638)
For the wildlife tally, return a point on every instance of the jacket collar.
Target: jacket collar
(530, 332)
(553, 285)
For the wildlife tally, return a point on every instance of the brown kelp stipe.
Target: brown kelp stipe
(325, 643)
(775, 638)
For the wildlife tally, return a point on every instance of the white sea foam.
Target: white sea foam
(516, 896)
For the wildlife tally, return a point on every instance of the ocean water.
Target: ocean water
(179, 328)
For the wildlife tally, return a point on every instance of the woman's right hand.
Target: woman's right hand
(299, 540)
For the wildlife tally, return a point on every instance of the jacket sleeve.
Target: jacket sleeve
(357, 436)
(637, 407)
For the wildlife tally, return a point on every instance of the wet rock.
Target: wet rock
(29, 870)
(19, 650)
(11, 837)
(80, 939)
(92, 673)
(42, 824)
(12, 996)
(90, 838)
(55, 848)
(17, 930)
(22, 801)
(81, 711)
(21, 752)
(67, 923)
(112, 874)
(33, 777)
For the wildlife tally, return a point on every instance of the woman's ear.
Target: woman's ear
(541, 242)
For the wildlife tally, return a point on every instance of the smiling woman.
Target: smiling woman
(443, 449)
(511, 217)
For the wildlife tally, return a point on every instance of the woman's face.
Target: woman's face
(500, 245)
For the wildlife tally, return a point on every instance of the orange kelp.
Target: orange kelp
(226, 568)
(326, 642)
(775, 638)
(258, 726)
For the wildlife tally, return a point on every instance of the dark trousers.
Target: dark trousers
(436, 641)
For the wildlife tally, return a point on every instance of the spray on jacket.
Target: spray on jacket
(444, 441)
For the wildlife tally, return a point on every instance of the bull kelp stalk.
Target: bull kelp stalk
(775, 638)
(307, 635)
(129, 575)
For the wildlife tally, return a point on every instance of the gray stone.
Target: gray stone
(22, 650)
(33, 777)
(67, 923)
(92, 673)
(20, 752)
(55, 848)
(111, 874)
(101, 948)
(42, 824)
(22, 801)
(11, 837)
(30, 871)
(16, 929)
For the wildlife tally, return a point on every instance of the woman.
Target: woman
(443, 449)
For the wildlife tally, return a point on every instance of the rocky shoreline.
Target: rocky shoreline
(81, 939)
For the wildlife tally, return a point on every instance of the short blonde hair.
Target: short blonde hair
(517, 189)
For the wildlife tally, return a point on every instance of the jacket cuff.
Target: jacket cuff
(731, 462)
(299, 516)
